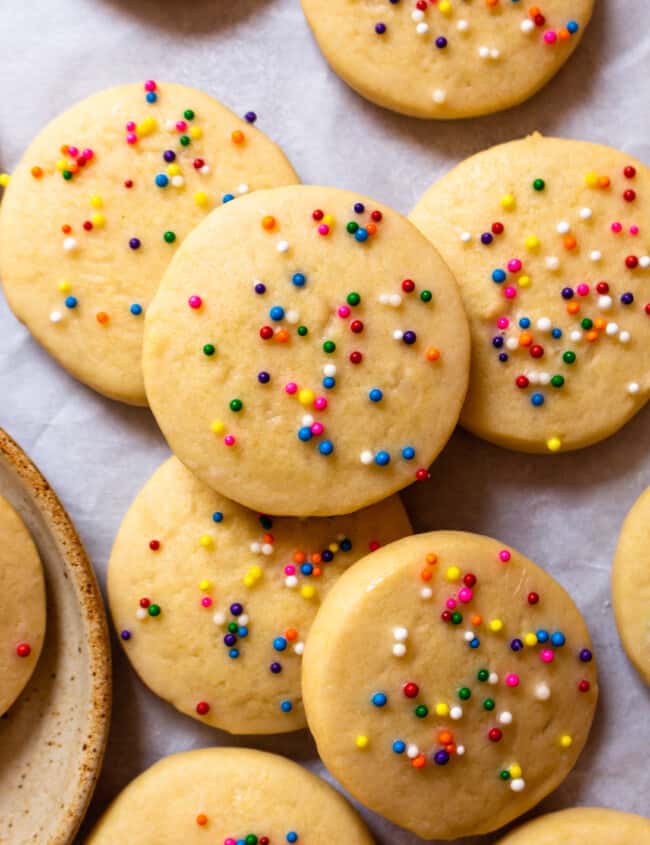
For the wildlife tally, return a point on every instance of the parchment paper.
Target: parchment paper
(563, 511)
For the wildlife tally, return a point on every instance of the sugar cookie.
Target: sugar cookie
(552, 254)
(595, 825)
(307, 352)
(447, 59)
(462, 683)
(97, 207)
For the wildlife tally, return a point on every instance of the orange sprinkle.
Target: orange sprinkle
(102, 317)
(432, 558)
(37, 172)
(316, 557)
(569, 242)
(426, 574)
(600, 324)
(534, 11)
(592, 336)
(201, 820)
(564, 34)
(491, 4)
(604, 182)
(525, 339)
(291, 634)
(299, 557)
(268, 222)
(450, 748)
(73, 167)
(268, 538)
(419, 762)
(63, 149)
(433, 354)
(445, 737)
(282, 336)
(66, 228)
(371, 229)
(238, 137)
(573, 308)
(316, 571)
(476, 619)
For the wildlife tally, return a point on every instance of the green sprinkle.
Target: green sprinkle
(421, 711)
(557, 381)
(488, 704)
(352, 227)
(233, 627)
(329, 346)
(302, 330)
(154, 610)
(353, 298)
(188, 114)
(587, 324)
(209, 349)
(251, 839)
(483, 675)
(464, 693)
(236, 405)
(185, 140)
(426, 296)
(456, 618)
(504, 774)
(266, 522)
(67, 175)
(170, 237)
(569, 357)
(539, 184)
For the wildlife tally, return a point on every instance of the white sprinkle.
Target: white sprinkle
(366, 457)
(456, 713)
(299, 648)
(422, 28)
(644, 261)
(412, 751)
(605, 302)
(611, 329)
(544, 324)
(56, 316)
(417, 15)
(178, 181)
(484, 52)
(633, 388)
(219, 617)
(517, 785)
(292, 316)
(282, 246)
(204, 170)
(586, 214)
(533, 378)
(400, 634)
(624, 337)
(493, 679)
(596, 255)
(398, 334)
(242, 189)
(466, 237)
(170, 125)
(576, 335)
(460, 750)
(494, 53)
(399, 650)
(439, 96)
(469, 636)
(307, 419)
(512, 343)
(256, 547)
(542, 692)
(384, 298)
(267, 549)
(394, 299)
(527, 26)
(141, 613)
(462, 25)
(329, 370)
(544, 378)
(505, 718)
(291, 582)
(69, 244)
(243, 619)
(563, 228)
(426, 593)
(552, 263)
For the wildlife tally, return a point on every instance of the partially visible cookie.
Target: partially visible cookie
(549, 240)
(447, 59)
(594, 825)
(99, 204)
(631, 585)
(213, 602)
(449, 683)
(229, 796)
(22, 606)
(307, 352)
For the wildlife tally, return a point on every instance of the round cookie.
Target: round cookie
(213, 602)
(307, 352)
(465, 683)
(447, 59)
(233, 796)
(551, 253)
(22, 606)
(99, 204)
(582, 824)
(631, 585)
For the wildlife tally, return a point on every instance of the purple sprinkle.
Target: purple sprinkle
(486, 238)
(260, 288)
(169, 155)
(503, 357)
(380, 28)
(409, 337)
(276, 668)
(250, 116)
(627, 298)
(585, 655)
(359, 207)
(126, 635)
(441, 42)
(264, 377)
(236, 609)
(135, 243)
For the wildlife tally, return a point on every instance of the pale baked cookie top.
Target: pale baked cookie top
(229, 796)
(213, 602)
(549, 240)
(596, 825)
(449, 683)
(307, 352)
(447, 58)
(631, 585)
(97, 207)
(22, 606)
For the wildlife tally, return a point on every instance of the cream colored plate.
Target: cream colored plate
(52, 740)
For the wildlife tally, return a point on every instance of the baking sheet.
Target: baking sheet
(563, 511)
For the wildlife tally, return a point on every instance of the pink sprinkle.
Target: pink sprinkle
(451, 604)
(131, 138)
(206, 601)
(290, 388)
(323, 229)
(547, 655)
(503, 322)
(582, 289)
(510, 292)
(504, 555)
(290, 569)
(195, 301)
(550, 36)
(229, 440)
(317, 428)
(181, 125)
(73, 152)
(514, 265)
(88, 154)
(344, 311)
(130, 126)
(465, 595)
(320, 403)
(616, 228)
(512, 680)
(229, 841)
(150, 85)
(634, 230)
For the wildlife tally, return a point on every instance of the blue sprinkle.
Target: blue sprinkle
(227, 197)
(136, 309)
(399, 747)
(151, 96)
(379, 699)
(524, 323)
(542, 636)
(292, 836)
(286, 706)
(305, 434)
(346, 545)
(408, 453)
(361, 234)
(382, 458)
(217, 516)
(573, 27)
(162, 180)
(279, 643)
(557, 333)
(299, 279)
(242, 632)
(475, 643)
(375, 395)
(306, 569)
(537, 399)
(234, 653)
(326, 447)
(498, 276)
(558, 638)
(329, 382)
(276, 313)
(71, 302)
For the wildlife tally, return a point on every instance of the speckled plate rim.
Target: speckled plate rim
(82, 578)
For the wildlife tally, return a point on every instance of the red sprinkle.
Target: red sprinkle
(23, 650)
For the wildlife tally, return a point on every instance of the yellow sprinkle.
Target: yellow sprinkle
(65, 287)
(531, 242)
(445, 7)
(196, 132)
(453, 573)
(4, 180)
(442, 709)
(530, 639)
(361, 742)
(496, 625)
(591, 179)
(98, 219)
(306, 396)
(524, 281)
(173, 169)
(515, 771)
(508, 202)
(206, 541)
(217, 427)
(61, 164)
(96, 201)
(333, 547)
(205, 585)
(248, 580)
(147, 126)
(329, 220)
(566, 741)
(255, 571)
(201, 198)
(554, 444)
(308, 592)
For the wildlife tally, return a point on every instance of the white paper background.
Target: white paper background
(563, 511)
